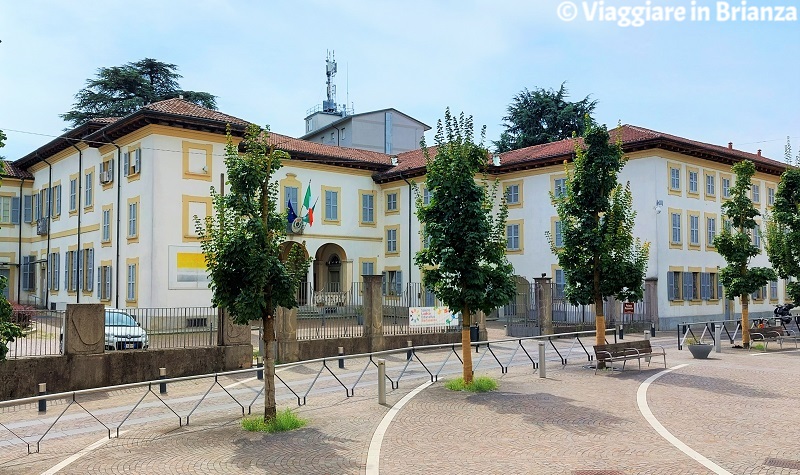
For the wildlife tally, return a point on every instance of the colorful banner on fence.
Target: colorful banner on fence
(427, 317)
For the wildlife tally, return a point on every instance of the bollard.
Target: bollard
(542, 370)
(260, 364)
(718, 339)
(653, 330)
(162, 374)
(341, 360)
(621, 333)
(409, 353)
(42, 402)
(647, 337)
(382, 381)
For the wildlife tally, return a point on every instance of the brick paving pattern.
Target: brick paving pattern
(738, 409)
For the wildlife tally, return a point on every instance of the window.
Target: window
(342, 135)
(71, 271)
(758, 294)
(559, 235)
(676, 228)
(27, 213)
(106, 227)
(368, 208)
(726, 188)
(391, 202)
(53, 270)
(512, 237)
(560, 283)
(756, 193)
(107, 171)
(692, 182)
(694, 230)
(675, 178)
(426, 196)
(710, 185)
(393, 283)
(44, 200)
(674, 285)
(88, 195)
(368, 268)
(57, 193)
(9, 209)
(691, 289)
(28, 273)
(133, 229)
(757, 236)
(131, 162)
(391, 240)
(773, 290)
(711, 228)
(331, 205)
(131, 295)
(560, 188)
(291, 194)
(73, 194)
(104, 282)
(705, 286)
(37, 207)
(512, 194)
(88, 264)
(771, 196)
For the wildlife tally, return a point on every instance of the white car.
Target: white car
(123, 332)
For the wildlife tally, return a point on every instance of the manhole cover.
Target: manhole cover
(783, 463)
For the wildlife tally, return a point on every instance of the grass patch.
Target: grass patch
(758, 346)
(481, 384)
(285, 420)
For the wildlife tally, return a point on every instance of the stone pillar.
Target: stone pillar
(373, 312)
(288, 350)
(231, 333)
(84, 329)
(651, 300)
(544, 304)
(480, 318)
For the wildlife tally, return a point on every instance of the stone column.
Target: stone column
(544, 304)
(84, 329)
(231, 333)
(288, 350)
(373, 312)
(651, 300)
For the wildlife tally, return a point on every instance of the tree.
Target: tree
(465, 260)
(543, 116)
(783, 232)
(735, 244)
(8, 329)
(600, 257)
(241, 242)
(120, 90)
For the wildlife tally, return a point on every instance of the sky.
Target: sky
(715, 81)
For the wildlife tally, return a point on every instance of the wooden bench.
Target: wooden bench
(768, 334)
(624, 351)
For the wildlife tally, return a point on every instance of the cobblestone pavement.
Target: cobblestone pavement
(738, 409)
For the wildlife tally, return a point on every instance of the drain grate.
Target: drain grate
(597, 472)
(783, 463)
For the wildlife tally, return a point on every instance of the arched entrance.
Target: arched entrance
(330, 269)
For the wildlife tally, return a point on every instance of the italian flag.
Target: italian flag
(309, 217)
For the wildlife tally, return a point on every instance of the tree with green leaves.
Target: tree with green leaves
(465, 260)
(735, 245)
(241, 241)
(783, 232)
(9, 331)
(543, 116)
(599, 256)
(120, 90)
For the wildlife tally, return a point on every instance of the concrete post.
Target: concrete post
(542, 365)
(382, 381)
(340, 352)
(230, 333)
(162, 374)
(288, 349)
(84, 329)
(718, 339)
(42, 402)
(373, 312)
(544, 303)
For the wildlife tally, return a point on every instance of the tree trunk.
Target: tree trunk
(599, 322)
(745, 322)
(466, 348)
(270, 408)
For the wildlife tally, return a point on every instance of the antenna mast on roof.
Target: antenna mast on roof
(330, 71)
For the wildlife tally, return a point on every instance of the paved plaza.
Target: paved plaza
(733, 413)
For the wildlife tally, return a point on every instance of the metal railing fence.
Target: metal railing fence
(41, 333)
(179, 327)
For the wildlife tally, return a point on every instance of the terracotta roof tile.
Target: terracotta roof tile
(13, 171)
(303, 150)
(188, 109)
(105, 120)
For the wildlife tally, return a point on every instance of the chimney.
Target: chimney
(496, 159)
(730, 145)
(394, 160)
(759, 152)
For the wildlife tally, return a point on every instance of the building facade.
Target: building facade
(106, 212)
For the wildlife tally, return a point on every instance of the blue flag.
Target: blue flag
(291, 216)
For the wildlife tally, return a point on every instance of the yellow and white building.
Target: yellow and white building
(105, 212)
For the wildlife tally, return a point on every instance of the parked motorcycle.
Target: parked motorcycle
(784, 312)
